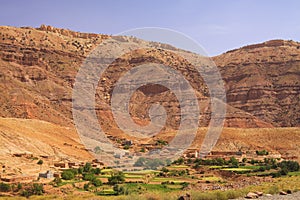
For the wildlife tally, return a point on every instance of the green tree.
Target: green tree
(19, 186)
(97, 182)
(119, 190)
(35, 189)
(80, 170)
(234, 162)
(116, 178)
(67, 175)
(87, 167)
(96, 171)
(179, 161)
(165, 170)
(89, 177)
(4, 187)
(86, 186)
(40, 162)
(289, 165)
(262, 152)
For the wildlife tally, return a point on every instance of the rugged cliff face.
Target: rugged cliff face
(264, 80)
(38, 69)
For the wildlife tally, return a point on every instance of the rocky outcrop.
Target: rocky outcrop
(263, 80)
(38, 68)
(67, 32)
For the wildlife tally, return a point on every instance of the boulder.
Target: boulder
(282, 193)
(259, 193)
(251, 195)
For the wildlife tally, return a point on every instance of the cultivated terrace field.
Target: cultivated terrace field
(198, 178)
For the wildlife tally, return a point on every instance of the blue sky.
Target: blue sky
(215, 24)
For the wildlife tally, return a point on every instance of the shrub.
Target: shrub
(35, 189)
(262, 153)
(165, 170)
(185, 184)
(4, 187)
(67, 175)
(86, 186)
(119, 190)
(89, 177)
(57, 181)
(262, 169)
(96, 171)
(234, 162)
(97, 182)
(179, 161)
(19, 186)
(116, 178)
(284, 171)
(87, 167)
(290, 165)
(40, 162)
(80, 170)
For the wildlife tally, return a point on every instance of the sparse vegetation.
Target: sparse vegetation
(262, 152)
(34, 189)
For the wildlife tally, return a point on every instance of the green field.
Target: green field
(236, 169)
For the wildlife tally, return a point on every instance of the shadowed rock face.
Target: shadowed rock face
(38, 69)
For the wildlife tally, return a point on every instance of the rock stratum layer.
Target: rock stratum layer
(264, 80)
(38, 67)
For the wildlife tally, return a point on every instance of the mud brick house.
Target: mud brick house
(61, 165)
(18, 178)
(48, 175)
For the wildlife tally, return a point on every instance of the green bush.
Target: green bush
(97, 182)
(116, 178)
(262, 152)
(19, 187)
(87, 167)
(233, 162)
(57, 181)
(291, 166)
(96, 171)
(40, 162)
(89, 177)
(120, 190)
(35, 189)
(67, 175)
(86, 186)
(4, 187)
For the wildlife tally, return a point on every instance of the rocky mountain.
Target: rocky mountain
(264, 80)
(38, 68)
